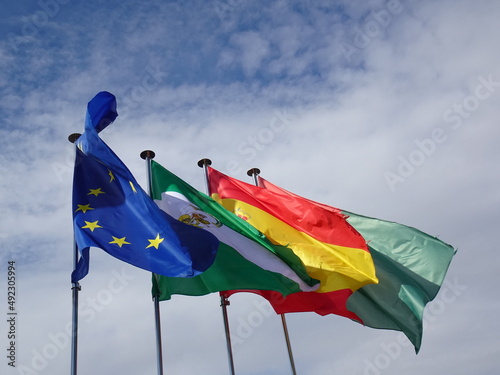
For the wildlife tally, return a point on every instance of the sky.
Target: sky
(384, 108)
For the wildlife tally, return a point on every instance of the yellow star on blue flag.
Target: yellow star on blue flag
(112, 212)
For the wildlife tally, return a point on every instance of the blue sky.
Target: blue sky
(383, 108)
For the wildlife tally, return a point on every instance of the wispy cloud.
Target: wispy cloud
(324, 99)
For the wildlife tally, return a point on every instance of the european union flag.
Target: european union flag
(112, 212)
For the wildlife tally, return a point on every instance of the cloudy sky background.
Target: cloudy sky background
(384, 108)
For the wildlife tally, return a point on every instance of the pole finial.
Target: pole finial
(147, 154)
(203, 162)
(74, 137)
(253, 171)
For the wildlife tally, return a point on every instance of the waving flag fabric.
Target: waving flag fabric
(330, 248)
(112, 212)
(245, 259)
(410, 265)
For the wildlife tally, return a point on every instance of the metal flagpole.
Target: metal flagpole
(254, 172)
(148, 155)
(288, 344)
(224, 301)
(75, 288)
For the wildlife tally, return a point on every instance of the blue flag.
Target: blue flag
(112, 212)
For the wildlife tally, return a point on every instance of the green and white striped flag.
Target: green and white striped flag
(246, 259)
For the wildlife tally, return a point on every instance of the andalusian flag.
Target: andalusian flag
(330, 248)
(410, 266)
(246, 259)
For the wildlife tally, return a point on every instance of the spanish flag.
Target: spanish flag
(332, 251)
(410, 264)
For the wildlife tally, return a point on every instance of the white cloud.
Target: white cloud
(202, 80)
(251, 49)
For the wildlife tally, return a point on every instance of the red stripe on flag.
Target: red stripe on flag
(324, 223)
(320, 303)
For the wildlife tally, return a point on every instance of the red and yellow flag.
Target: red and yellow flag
(332, 251)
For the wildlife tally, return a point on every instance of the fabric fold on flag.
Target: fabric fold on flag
(112, 212)
(246, 259)
(330, 248)
(411, 266)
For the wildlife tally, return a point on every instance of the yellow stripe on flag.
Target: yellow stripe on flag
(337, 267)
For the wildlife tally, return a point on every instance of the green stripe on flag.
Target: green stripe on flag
(410, 266)
(246, 259)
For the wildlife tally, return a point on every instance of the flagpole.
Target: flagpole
(224, 301)
(148, 155)
(254, 173)
(75, 288)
